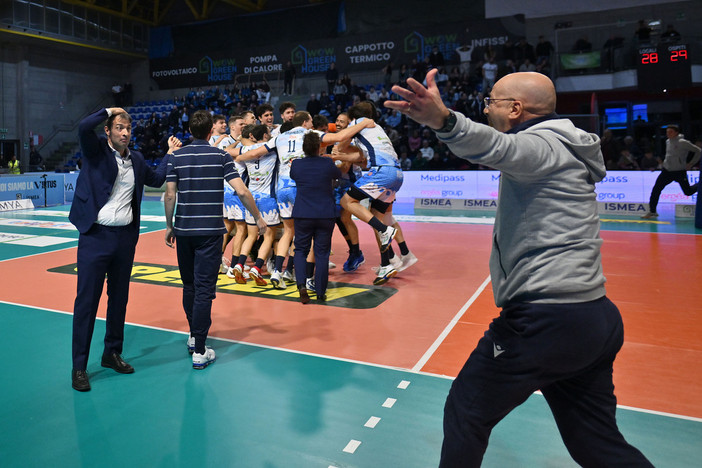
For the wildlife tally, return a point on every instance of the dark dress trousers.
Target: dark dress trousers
(104, 250)
(314, 213)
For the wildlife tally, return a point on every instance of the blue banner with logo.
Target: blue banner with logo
(350, 53)
(42, 189)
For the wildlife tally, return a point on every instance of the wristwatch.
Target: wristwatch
(449, 123)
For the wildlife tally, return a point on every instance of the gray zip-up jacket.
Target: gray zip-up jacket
(676, 151)
(546, 238)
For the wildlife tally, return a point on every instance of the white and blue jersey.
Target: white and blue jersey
(233, 208)
(262, 180)
(375, 145)
(384, 176)
(262, 171)
(289, 148)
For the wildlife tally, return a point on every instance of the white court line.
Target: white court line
(432, 349)
(389, 402)
(332, 358)
(372, 422)
(352, 446)
(444, 219)
(403, 385)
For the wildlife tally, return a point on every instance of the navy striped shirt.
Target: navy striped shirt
(198, 169)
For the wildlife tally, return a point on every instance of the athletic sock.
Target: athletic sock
(342, 229)
(377, 225)
(242, 260)
(309, 270)
(403, 248)
(291, 264)
(390, 252)
(279, 260)
(354, 249)
(384, 259)
(259, 263)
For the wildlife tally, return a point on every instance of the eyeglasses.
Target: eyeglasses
(488, 100)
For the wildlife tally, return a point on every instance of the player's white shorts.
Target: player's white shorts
(233, 208)
(286, 201)
(381, 183)
(268, 208)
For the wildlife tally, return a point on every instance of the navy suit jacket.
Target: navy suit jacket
(315, 191)
(99, 171)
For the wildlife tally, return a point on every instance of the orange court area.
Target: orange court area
(653, 278)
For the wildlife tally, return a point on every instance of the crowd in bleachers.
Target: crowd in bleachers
(463, 87)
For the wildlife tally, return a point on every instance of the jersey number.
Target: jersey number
(291, 146)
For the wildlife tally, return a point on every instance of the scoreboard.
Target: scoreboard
(663, 67)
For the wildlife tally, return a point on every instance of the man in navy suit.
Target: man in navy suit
(106, 212)
(314, 213)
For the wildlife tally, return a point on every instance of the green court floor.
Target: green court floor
(255, 407)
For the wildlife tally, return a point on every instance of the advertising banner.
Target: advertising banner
(350, 53)
(33, 187)
(616, 187)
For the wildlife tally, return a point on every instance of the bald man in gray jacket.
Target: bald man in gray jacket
(557, 331)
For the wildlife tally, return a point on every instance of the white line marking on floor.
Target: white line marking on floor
(42, 241)
(372, 422)
(389, 402)
(352, 446)
(444, 219)
(403, 385)
(432, 349)
(37, 223)
(318, 355)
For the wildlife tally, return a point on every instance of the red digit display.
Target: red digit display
(649, 58)
(676, 55)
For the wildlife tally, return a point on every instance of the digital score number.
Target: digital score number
(664, 67)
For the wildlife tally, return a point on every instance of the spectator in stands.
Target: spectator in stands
(643, 32)
(414, 142)
(387, 75)
(648, 162)
(527, 66)
(288, 77)
(263, 91)
(523, 51)
(426, 151)
(610, 149)
(36, 162)
(436, 58)
(394, 119)
(313, 105)
(340, 92)
(372, 95)
(465, 53)
(405, 162)
(626, 161)
(403, 74)
(332, 76)
(489, 75)
(612, 43)
(544, 49)
(670, 34)
(582, 45)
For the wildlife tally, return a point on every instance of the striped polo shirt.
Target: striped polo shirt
(199, 169)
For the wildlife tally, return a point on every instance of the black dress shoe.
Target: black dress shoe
(115, 361)
(80, 381)
(304, 297)
(322, 298)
